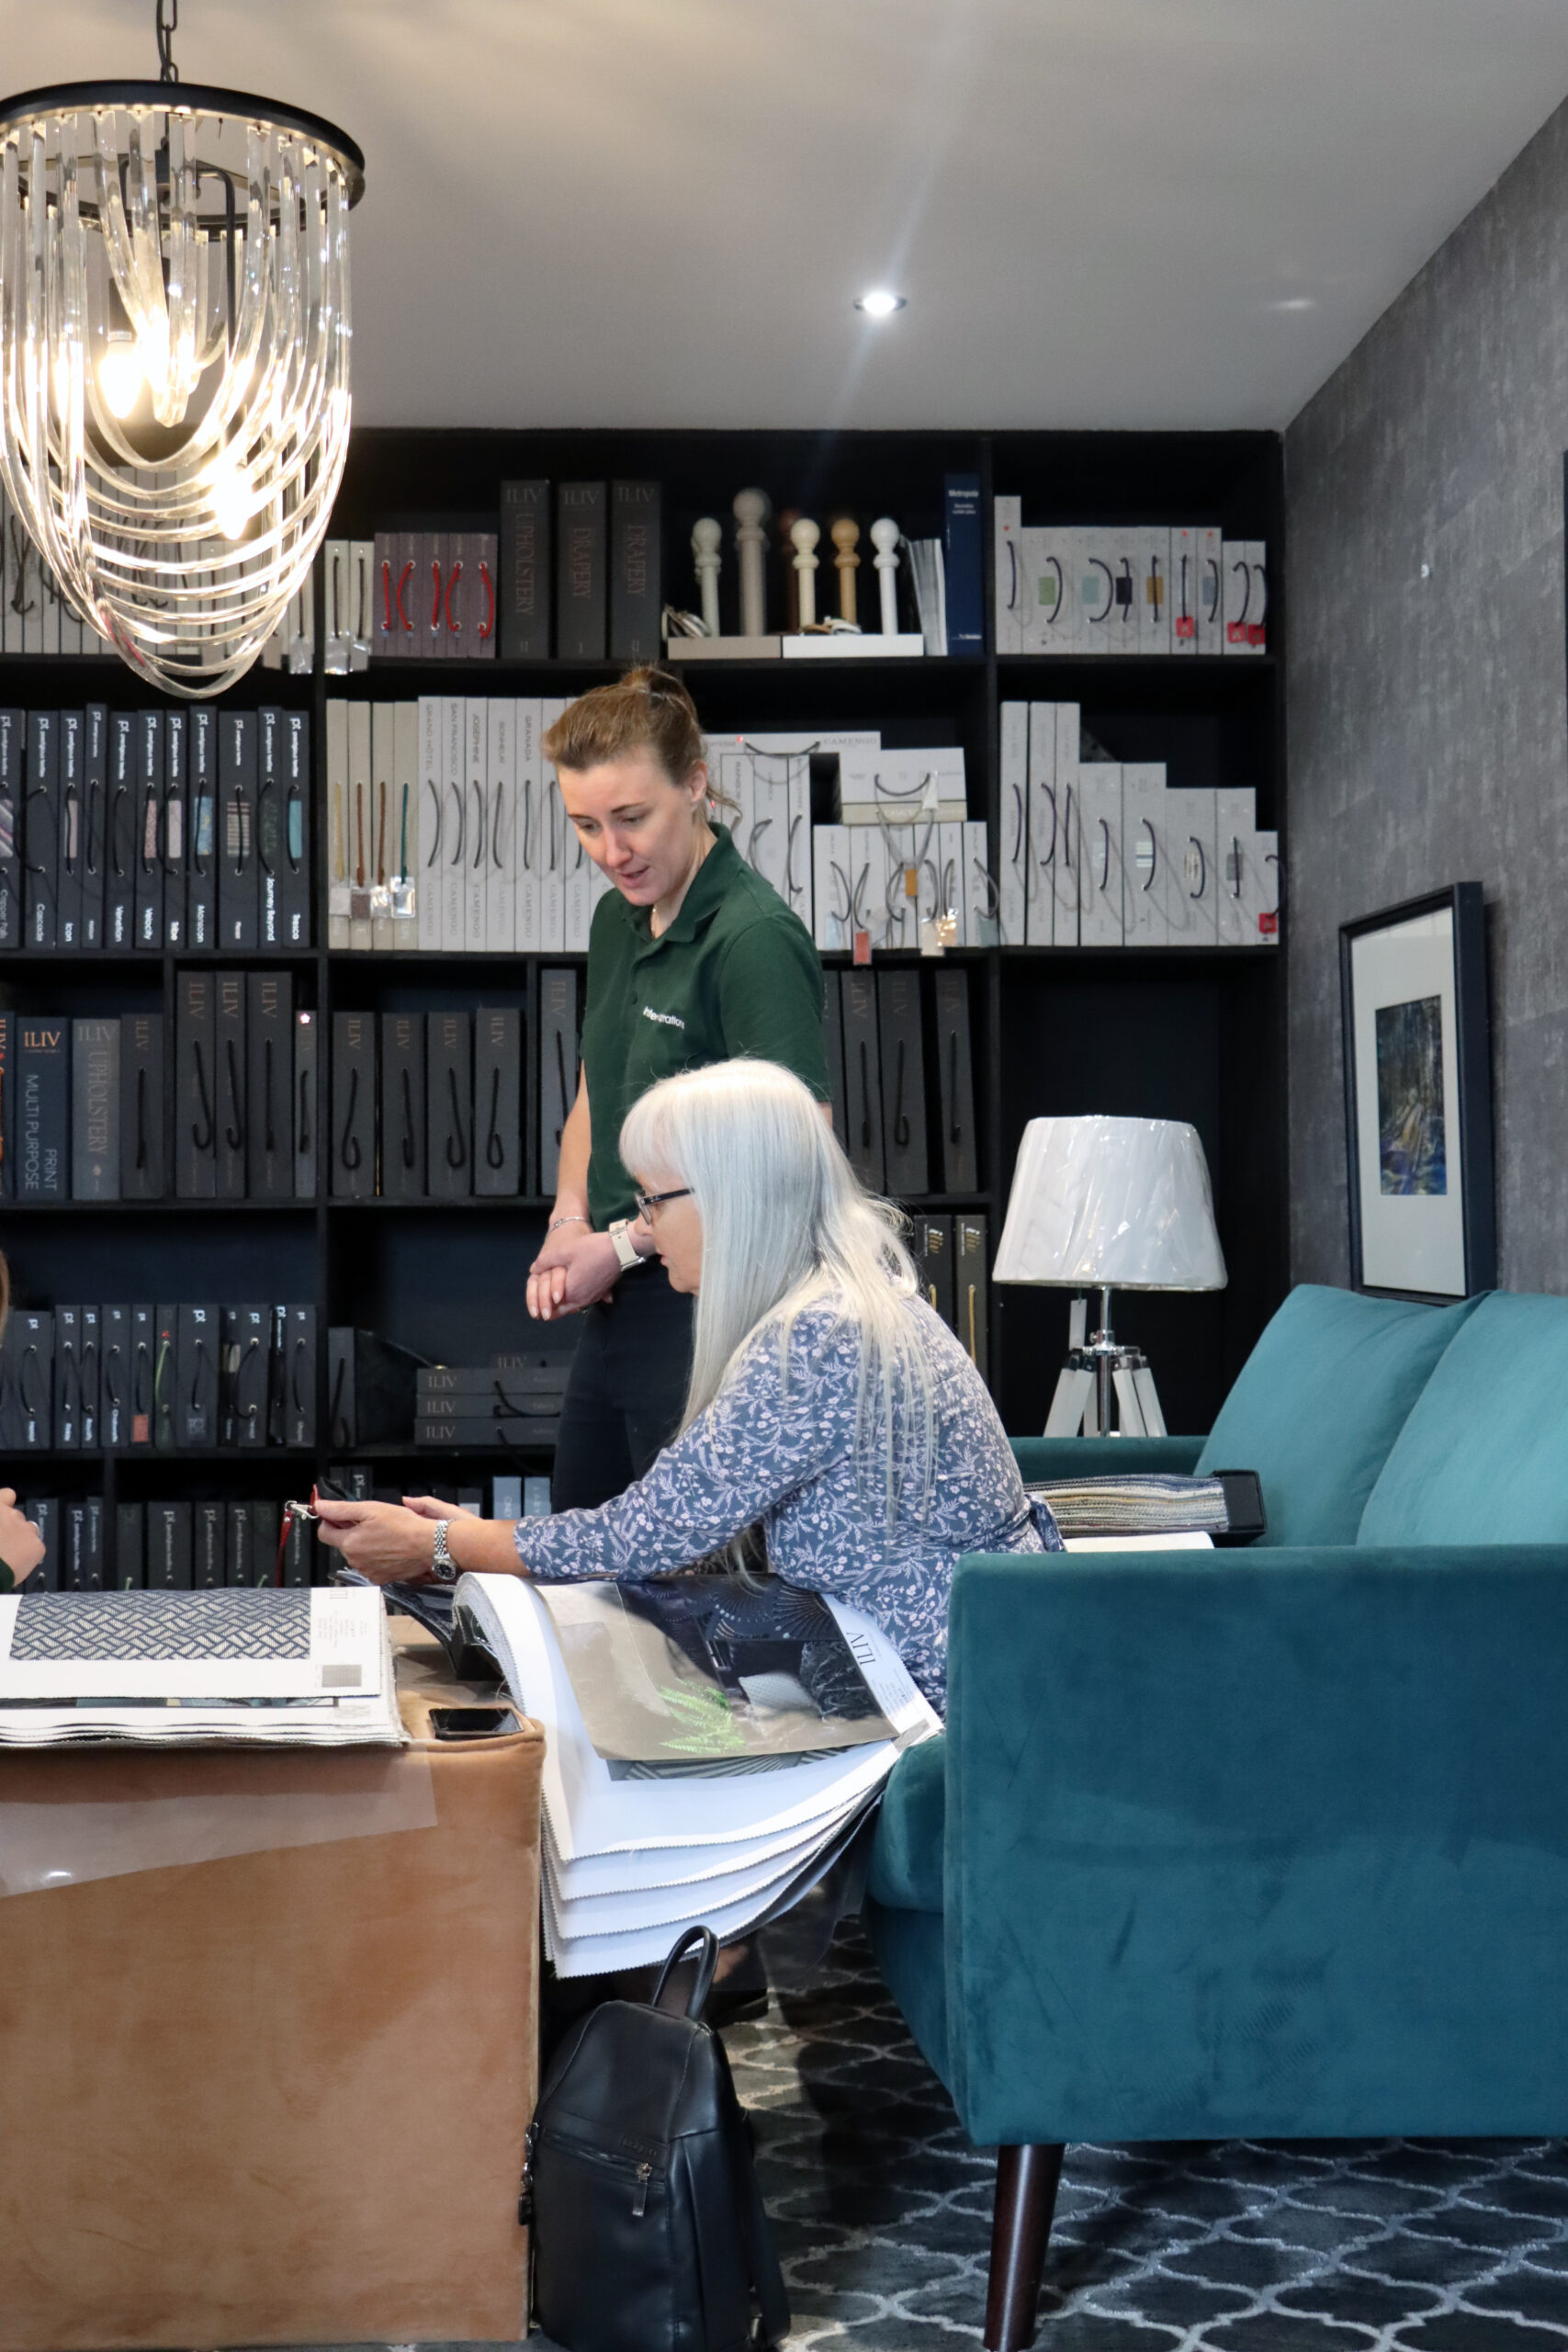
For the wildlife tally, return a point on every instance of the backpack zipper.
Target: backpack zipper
(642, 2174)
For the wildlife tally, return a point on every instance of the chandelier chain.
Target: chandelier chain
(168, 17)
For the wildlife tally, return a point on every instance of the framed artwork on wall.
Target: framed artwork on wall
(1418, 1097)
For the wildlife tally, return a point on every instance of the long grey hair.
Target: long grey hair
(786, 1226)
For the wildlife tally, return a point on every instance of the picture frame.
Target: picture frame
(1417, 1060)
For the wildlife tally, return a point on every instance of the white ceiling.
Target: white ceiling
(658, 212)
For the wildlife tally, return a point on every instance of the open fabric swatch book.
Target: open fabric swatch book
(265, 1669)
(710, 1748)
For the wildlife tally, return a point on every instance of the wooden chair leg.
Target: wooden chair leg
(1027, 2181)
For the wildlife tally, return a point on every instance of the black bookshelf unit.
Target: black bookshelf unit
(1195, 1033)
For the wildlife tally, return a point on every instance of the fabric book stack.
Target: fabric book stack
(712, 1744)
(280, 1668)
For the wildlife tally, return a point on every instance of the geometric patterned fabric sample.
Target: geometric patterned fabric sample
(245, 1623)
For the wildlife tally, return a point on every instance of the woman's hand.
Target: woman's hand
(21, 1545)
(388, 1542)
(574, 1267)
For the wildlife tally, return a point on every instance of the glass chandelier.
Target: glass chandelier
(175, 340)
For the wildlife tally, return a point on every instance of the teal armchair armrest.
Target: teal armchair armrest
(1107, 1457)
(1252, 1844)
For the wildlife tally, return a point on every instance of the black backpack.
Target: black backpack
(649, 2233)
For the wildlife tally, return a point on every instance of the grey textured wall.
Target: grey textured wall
(1428, 741)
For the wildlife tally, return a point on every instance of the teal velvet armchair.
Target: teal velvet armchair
(1269, 1842)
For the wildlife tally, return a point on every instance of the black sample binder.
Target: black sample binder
(239, 1565)
(114, 1378)
(95, 823)
(269, 828)
(863, 1079)
(237, 894)
(636, 597)
(44, 1512)
(246, 1338)
(525, 571)
(29, 1349)
(143, 1373)
(176, 826)
(307, 1030)
(149, 829)
(196, 1376)
(972, 1291)
(498, 1101)
(353, 1106)
(402, 1105)
(558, 1067)
(84, 1566)
(128, 1569)
(931, 1246)
(833, 1046)
(92, 1377)
(10, 1407)
(201, 837)
(956, 1084)
(903, 1082)
(165, 1368)
(13, 776)
(196, 1087)
(120, 871)
(298, 1553)
(267, 1517)
(68, 883)
(168, 1548)
(300, 1376)
(232, 1092)
(67, 1379)
(370, 1388)
(581, 571)
(449, 1078)
(294, 865)
(94, 1110)
(8, 1106)
(43, 1109)
(141, 1106)
(40, 830)
(269, 1047)
(208, 1531)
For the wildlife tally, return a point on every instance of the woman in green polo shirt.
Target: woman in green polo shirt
(692, 958)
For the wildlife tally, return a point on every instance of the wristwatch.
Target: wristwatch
(444, 1567)
(620, 1231)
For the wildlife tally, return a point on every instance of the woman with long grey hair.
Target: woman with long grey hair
(828, 1405)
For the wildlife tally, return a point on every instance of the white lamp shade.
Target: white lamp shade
(1123, 1203)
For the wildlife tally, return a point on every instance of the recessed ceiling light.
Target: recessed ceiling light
(879, 303)
(1296, 302)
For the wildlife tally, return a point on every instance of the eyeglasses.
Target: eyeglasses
(648, 1201)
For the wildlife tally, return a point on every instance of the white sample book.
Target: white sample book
(360, 806)
(1007, 526)
(337, 824)
(383, 769)
(1051, 609)
(1012, 846)
(1266, 867)
(432, 823)
(1186, 586)
(477, 805)
(897, 785)
(1187, 867)
(1065, 868)
(951, 894)
(831, 925)
(501, 849)
(1143, 854)
(1097, 591)
(528, 833)
(1153, 550)
(1236, 823)
(980, 893)
(554, 845)
(1100, 855)
(454, 822)
(1045, 826)
(403, 851)
(905, 848)
(1124, 551)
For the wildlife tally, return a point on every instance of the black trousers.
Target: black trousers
(627, 1388)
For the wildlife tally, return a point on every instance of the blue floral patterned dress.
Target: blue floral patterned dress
(780, 1451)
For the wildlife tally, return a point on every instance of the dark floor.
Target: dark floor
(883, 2214)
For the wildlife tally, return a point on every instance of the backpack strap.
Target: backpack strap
(756, 2231)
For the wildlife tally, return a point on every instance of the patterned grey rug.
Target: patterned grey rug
(883, 2214)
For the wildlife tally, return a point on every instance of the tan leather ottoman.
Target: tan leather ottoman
(277, 2096)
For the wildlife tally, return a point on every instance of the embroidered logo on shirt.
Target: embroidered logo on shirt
(670, 1020)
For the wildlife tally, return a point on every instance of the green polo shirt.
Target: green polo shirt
(735, 973)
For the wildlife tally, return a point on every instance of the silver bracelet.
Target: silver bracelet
(564, 1220)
